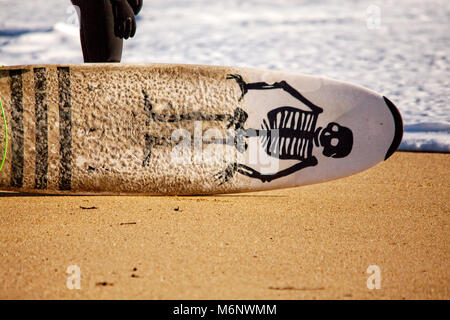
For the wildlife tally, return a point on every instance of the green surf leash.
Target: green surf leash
(6, 135)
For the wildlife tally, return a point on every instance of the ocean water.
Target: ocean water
(397, 48)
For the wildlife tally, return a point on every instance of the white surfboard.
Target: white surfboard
(184, 129)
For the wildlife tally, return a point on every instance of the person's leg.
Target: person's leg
(98, 41)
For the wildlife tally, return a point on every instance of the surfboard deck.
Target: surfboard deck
(164, 129)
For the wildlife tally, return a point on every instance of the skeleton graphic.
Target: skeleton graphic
(288, 133)
(296, 135)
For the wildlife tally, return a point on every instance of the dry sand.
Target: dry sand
(312, 242)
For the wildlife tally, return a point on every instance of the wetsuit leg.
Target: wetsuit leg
(98, 42)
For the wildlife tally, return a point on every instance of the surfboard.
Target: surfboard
(163, 129)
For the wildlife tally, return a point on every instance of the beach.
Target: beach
(311, 242)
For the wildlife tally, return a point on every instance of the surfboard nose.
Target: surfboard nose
(398, 123)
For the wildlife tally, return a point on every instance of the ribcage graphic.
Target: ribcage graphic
(288, 133)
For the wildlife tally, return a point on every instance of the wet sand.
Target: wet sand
(313, 242)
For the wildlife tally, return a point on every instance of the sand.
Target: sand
(313, 242)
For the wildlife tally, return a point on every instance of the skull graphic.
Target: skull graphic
(336, 140)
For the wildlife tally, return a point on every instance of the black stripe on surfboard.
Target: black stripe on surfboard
(65, 128)
(40, 88)
(17, 148)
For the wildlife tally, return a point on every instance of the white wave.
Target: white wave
(426, 136)
(69, 29)
(426, 141)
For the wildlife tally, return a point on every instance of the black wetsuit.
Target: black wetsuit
(103, 26)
